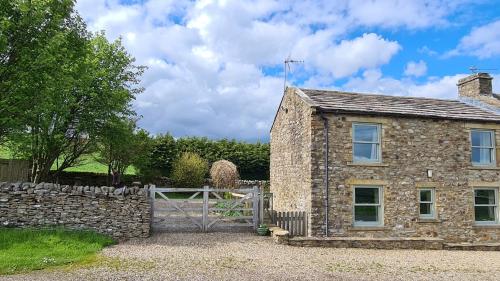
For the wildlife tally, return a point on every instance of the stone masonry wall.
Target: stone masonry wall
(290, 170)
(120, 213)
(410, 147)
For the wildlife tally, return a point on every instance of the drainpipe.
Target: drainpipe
(326, 176)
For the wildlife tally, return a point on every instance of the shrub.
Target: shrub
(224, 174)
(189, 171)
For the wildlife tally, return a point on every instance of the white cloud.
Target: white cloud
(434, 87)
(209, 60)
(482, 42)
(416, 69)
(393, 13)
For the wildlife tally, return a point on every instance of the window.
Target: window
(366, 143)
(483, 144)
(426, 202)
(367, 206)
(486, 205)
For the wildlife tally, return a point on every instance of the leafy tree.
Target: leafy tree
(189, 170)
(34, 37)
(142, 160)
(76, 82)
(118, 145)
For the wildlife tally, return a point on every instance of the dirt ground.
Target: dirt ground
(244, 256)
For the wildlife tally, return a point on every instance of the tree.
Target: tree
(31, 33)
(143, 160)
(117, 146)
(78, 83)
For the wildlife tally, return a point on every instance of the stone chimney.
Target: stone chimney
(475, 86)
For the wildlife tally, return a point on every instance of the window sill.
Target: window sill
(484, 168)
(494, 226)
(367, 164)
(420, 220)
(367, 228)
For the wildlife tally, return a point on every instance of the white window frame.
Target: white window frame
(378, 143)
(380, 205)
(491, 148)
(486, 205)
(432, 215)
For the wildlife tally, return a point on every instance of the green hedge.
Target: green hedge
(252, 159)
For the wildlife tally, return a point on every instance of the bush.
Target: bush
(189, 171)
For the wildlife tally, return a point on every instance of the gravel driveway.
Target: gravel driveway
(237, 256)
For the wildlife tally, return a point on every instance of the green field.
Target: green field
(88, 164)
(23, 250)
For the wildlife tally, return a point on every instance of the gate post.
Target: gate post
(261, 204)
(205, 209)
(152, 195)
(255, 207)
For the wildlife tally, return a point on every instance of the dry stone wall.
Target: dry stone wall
(121, 213)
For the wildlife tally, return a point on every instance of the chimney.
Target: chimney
(475, 86)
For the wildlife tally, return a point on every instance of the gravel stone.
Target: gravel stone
(244, 256)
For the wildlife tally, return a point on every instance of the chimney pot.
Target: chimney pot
(475, 86)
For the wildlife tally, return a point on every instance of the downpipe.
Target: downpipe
(326, 176)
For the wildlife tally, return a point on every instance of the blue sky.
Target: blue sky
(215, 68)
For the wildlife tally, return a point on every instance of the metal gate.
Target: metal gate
(206, 209)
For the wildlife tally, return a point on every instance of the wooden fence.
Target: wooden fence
(294, 222)
(14, 170)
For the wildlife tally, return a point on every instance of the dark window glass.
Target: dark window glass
(366, 213)
(367, 196)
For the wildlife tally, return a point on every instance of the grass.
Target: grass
(88, 164)
(23, 250)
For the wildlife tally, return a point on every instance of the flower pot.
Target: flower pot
(262, 230)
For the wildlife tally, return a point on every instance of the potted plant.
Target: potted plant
(262, 230)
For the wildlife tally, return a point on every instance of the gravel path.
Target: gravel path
(230, 256)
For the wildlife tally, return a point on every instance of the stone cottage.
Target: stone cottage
(365, 165)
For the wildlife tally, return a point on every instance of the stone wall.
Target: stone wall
(290, 168)
(410, 147)
(120, 213)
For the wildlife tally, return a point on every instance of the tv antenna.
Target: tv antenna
(474, 69)
(288, 61)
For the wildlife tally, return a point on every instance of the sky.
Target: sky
(215, 68)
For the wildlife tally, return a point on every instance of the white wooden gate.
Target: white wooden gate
(205, 209)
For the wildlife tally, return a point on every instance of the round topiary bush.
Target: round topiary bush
(189, 170)
(224, 174)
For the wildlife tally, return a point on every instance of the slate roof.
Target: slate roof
(343, 102)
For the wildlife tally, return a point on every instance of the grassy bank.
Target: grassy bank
(87, 163)
(24, 250)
